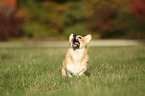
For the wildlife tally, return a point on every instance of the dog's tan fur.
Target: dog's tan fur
(76, 60)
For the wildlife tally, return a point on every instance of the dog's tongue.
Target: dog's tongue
(76, 43)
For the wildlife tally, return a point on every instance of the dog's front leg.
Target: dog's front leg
(63, 72)
(68, 74)
(63, 69)
(83, 70)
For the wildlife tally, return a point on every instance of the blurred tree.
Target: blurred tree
(113, 19)
(10, 26)
(103, 18)
(10, 22)
(138, 7)
(74, 18)
(43, 18)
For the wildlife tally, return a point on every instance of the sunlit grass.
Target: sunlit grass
(114, 71)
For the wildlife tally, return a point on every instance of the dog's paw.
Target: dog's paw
(80, 74)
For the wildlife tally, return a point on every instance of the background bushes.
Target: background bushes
(59, 18)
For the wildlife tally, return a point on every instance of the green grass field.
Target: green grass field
(114, 71)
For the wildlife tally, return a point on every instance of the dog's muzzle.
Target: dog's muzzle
(76, 42)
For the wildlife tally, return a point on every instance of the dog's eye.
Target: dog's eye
(80, 37)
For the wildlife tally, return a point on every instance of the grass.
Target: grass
(114, 71)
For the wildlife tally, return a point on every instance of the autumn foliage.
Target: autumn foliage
(138, 7)
(59, 18)
(10, 26)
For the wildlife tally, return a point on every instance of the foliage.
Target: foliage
(78, 28)
(43, 19)
(114, 71)
(138, 7)
(74, 19)
(59, 18)
(113, 19)
(10, 26)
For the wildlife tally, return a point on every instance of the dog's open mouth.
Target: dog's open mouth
(76, 43)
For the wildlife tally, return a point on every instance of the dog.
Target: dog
(76, 59)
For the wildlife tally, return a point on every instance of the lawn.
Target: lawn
(33, 71)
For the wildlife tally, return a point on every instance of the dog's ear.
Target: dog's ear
(88, 38)
(70, 38)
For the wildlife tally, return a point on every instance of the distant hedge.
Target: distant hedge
(59, 18)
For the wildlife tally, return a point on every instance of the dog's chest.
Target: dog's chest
(77, 56)
(76, 67)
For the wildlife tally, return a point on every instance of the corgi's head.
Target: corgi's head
(79, 42)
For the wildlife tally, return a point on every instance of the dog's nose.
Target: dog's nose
(74, 35)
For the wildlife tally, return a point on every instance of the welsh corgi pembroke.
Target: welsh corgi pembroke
(76, 59)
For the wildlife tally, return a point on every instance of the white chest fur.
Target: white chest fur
(76, 66)
(77, 56)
